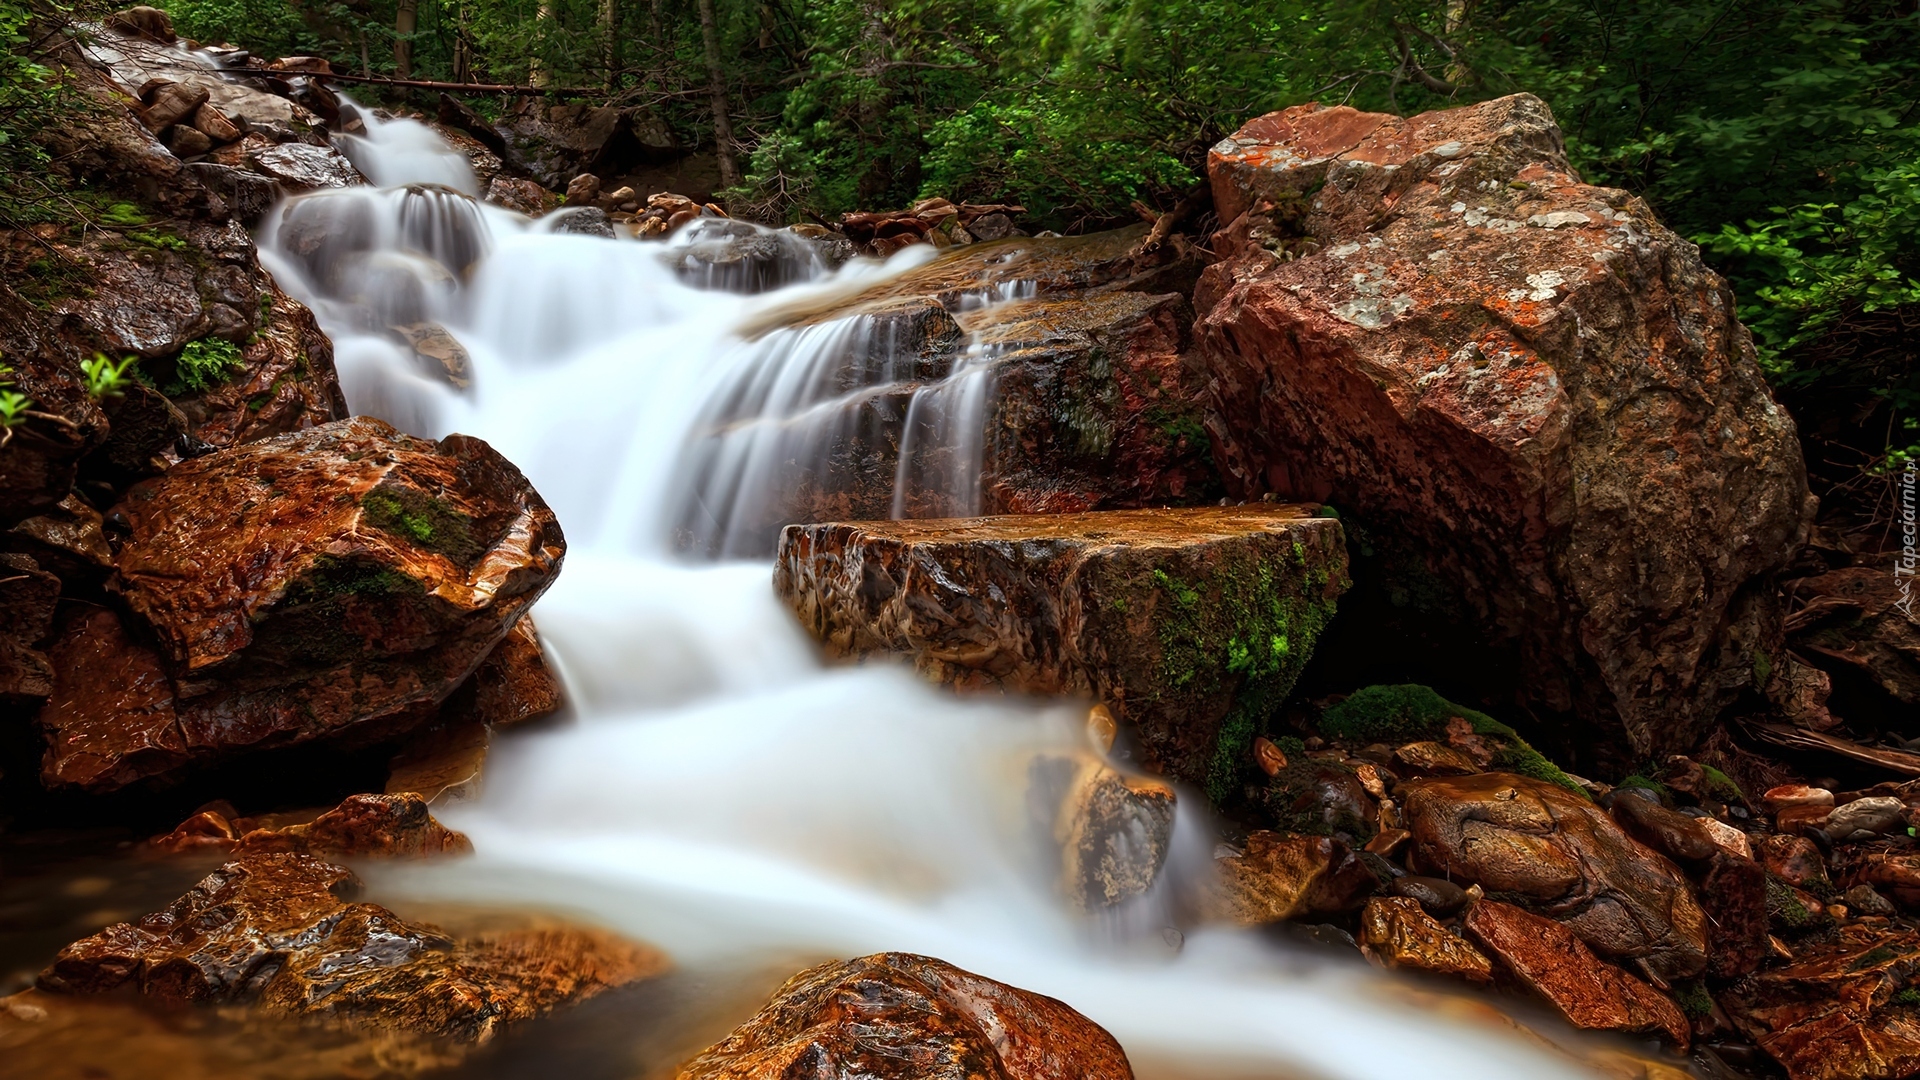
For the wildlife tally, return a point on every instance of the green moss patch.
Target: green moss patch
(424, 520)
(1410, 712)
(1248, 621)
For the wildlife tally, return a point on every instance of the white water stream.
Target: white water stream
(718, 791)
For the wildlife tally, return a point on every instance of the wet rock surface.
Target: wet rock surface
(1275, 877)
(1112, 831)
(362, 826)
(896, 1015)
(1431, 321)
(1837, 1010)
(1551, 961)
(376, 572)
(276, 931)
(1399, 932)
(1555, 852)
(1144, 610)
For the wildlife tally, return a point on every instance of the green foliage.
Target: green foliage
(13, 404)
(1409, 712)
(203, 365)
(106, 378)
(122, 215)
(1693, 999)
(1721, 786)
(271, 27)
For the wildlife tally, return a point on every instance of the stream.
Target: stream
(715, 789)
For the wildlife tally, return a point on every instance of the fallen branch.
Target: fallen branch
(1899, 761)
(1200, 198)
(425, 84)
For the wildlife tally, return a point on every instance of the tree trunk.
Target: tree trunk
(406, 20)
(610, 42)
(717, 88)
(366, 62)
(537, 74)
(462, 46)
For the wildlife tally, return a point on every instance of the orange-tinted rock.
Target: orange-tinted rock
(443, 760)
(1541, 845)
(1276, 877)
(1400, 932)
(896, 1016)
(1793, 859)
(1829, 1013)
(514, 682)
(385, 826)
(1783, 796)
(1435, 759)
(1558, 966)
(1894, 874)
(339, 580)
(1526, 381)
(1173, 618)
(275, 930)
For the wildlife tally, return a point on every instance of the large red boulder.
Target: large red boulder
(1526, 381)
(334, 582)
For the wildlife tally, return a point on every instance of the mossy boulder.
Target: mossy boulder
(1410, 712)
(1192, 624)
(336, 582)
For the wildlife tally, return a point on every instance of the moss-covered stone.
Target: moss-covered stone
(1192, 625)
(1409, 712)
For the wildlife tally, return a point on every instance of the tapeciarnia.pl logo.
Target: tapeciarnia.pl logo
(1903, 570)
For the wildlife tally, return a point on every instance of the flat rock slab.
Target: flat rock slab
(1191, 624)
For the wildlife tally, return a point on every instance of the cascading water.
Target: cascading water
(719, 792)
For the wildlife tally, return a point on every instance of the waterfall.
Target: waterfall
(717, 791)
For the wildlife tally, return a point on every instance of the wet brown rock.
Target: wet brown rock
(1786, 796)
(1277, 877)
(1432, 321)
(1794, 860)
(186, 142)
(1895, 874)
(1435, 759)
(1733, 893)
(331, 581)
(1112, 831)
(1672, 834)
(1864, 629)
(169, 103)
(896, 1016)
(1541, 845)
(276, 931)
(1829, 1013)
(1729, 839)
(1438, 895)
(1402, 935)
(1322, 797)
(1139, 609)
(363, 826)
(215, 124)
(27, 598)
(443, 761)
(526, 196)
(149, 22)
(1558, 966)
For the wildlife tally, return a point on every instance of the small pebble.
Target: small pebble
(1866, 900)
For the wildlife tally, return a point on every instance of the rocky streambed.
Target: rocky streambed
(1404, 565)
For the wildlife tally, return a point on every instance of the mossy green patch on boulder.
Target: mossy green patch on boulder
(429, 522)
(1409, 712)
